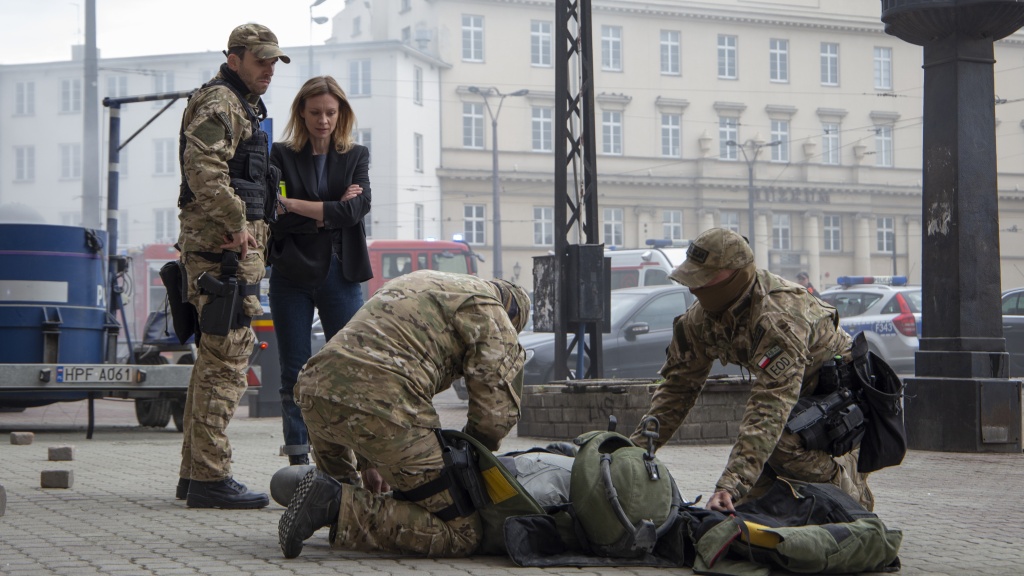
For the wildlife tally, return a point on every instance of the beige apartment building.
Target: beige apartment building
(800, 119)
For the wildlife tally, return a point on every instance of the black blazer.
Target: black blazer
(297, 248)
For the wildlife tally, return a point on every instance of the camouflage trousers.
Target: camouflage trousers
(217, 382)
(791, 460)
(406, 457)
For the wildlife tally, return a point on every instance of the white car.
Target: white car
(886, 310)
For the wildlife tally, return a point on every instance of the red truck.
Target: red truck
(392, 258)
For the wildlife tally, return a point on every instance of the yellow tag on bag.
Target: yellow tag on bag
(284, 190)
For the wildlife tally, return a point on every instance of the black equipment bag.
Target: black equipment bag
(885, 438)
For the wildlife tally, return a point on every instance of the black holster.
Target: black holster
(184, 316)
(460, 476)
(224, 311)
(833, 423)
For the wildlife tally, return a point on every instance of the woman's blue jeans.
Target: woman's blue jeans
(291, 308)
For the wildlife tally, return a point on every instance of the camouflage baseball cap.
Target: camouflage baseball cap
(515, 300)
(259, 40)
(714, 250)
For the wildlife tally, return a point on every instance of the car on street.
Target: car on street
(886, 310)
(1013, 329)
(641, 330)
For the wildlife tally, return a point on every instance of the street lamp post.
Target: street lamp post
(486, 93)
(312, 20)
(755, 146)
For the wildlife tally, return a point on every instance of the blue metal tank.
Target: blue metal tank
(52, 294)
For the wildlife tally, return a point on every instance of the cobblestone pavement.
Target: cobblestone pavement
(960, 513)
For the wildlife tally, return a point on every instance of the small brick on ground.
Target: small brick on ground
(22, 438)
(57, 479)
(3, 500)
(61, 453)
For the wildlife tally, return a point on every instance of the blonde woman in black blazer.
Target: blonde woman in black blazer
(317, 249)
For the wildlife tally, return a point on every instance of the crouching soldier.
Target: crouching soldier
(371, 389)
(804, 364)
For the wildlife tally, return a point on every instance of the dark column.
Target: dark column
(960, 399)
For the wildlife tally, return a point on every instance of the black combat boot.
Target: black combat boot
(314, 505)
(181, 492)
(298, 460)
(227, 493)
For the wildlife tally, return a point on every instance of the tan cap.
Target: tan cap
(515, 300)
(259, 40)
(715, 250)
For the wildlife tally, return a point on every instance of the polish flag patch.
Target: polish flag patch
(769, 356)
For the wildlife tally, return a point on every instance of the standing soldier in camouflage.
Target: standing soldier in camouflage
(226, 188)
(782, 335)
(371, 388)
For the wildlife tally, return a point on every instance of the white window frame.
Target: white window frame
(670, 52)
(165, 156)
(883, 146)
(614, 226)
(885, 234)
(832, 226)
(830, 144)
(780, 134)
(542, 135)
(474, 224)
(165, 225)
(730, 221)
(71, 95)
(359, 78)
(782, 232)
(418, 218)
(671, 130)
(830, 64)
(417, 146)
(25, 99)
(24, 163)
(672, 225)
(364, 137)
(473, 125)
(611, 132)
(728, 129)
(883, 68)
(543, 226)
(163, 81)
(472, 38)
(540, 43)
(70, 161)
(778, 60)
(728, 51)
(611, 48)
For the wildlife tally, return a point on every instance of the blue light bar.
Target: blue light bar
(884, 280)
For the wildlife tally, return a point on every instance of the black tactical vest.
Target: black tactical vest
(248, 168)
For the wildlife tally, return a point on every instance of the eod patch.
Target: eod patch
(775, 361)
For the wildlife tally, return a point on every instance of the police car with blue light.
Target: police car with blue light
(886, 310)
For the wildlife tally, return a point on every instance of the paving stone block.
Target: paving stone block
(3, 500)
(22, 438)
(57, 478)
(61, 453)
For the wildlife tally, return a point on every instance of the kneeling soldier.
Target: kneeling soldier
(371, 389)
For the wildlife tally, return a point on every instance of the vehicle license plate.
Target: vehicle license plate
(99, 374)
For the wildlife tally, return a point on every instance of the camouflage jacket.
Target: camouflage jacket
(411, 340)
(779, 332)
(215, 122)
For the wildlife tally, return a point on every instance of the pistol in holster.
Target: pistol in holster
(460, 464)
(833, 420)
(223, 311)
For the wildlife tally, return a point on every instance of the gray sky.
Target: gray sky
(45, 30)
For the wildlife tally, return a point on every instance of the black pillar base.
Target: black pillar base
(963, 414)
